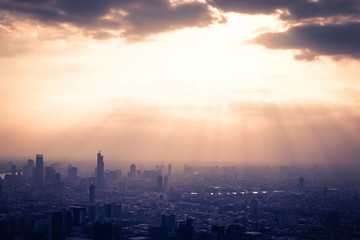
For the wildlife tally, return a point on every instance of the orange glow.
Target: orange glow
(203, 94)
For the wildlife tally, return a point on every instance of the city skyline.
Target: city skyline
(196, 203)
(221, 81)
(179, 119)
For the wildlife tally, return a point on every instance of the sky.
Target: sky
(202, 82)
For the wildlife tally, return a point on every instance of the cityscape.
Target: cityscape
(51, 201)
(180, 120)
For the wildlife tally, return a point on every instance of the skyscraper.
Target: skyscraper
(59, 225)
(92, 194)
(30, 169)
(132, 172)
(72, 173)
(159, 183)
(39, 169)
(301, 182)
(234, 232)
(100, 170)
(166, 183)
(169, 170)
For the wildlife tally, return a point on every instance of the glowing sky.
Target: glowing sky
(237, 81)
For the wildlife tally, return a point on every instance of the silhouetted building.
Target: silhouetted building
(100, 170)
(333, 220)
(30, 169)
(159, 183)
(116, 210)
(185, 231)
(92, 212)
(166, 183)
(168, 221)
(72, 173)
(51, 176)
(217, 232)
(108, 210)
(254, 206)
(169, 170)
(157, 233)
(132, 170)
(234, 232)
(60, 225)
(13, 170)
(92, 194)
(301, 182)
(39, 169)
(102, 231)
(78, 215)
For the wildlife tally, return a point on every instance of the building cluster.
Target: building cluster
(199, 203)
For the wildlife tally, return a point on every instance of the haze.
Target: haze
(181, 81)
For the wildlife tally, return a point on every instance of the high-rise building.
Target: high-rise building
(39, 169)
(234, 232)
(185, 231)
(78, 215)
(132, 172)
(102, 231)
(72, 173)
(169, 170)
(218, 232)
(166, 183)
(92, 212)
(60, 225)
(301, 182)
(92, 194)
(100, 170)
(159, 183)
(13, 170)
(30, 169)
(117, 210)
(168, 221)
(50, 174)
(333, 220)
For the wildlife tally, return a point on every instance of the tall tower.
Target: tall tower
(92, 194)
(169, 170)
(39, 177)
(132, 172)
(234, 232)
(301, 182)
(159, 183)
(100, 170)
(30, 168)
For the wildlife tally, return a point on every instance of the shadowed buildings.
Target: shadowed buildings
(100, 170)
(92, 194)
(132, 172)
(39, 169)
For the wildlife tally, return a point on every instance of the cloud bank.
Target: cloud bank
(132, 20)
(316, 27)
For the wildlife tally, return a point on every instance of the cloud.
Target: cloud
(334, 40)
(132, 20)
(316, 27)
(295, 9)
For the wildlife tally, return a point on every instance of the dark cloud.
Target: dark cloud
(294, 9)
(334, 40)
(250, 7)
(133, 20)
(317, 27)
